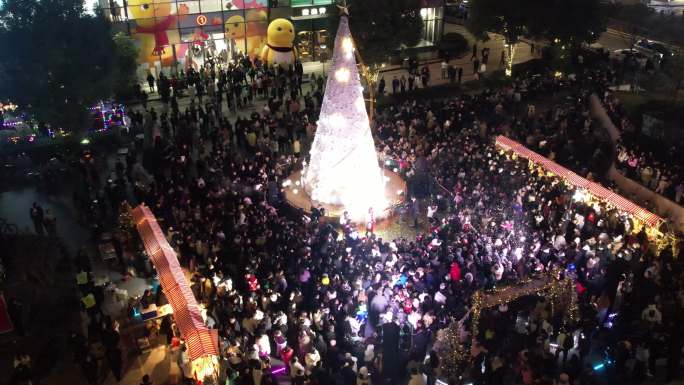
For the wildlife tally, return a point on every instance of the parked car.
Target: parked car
(652, 48)
(622, 54)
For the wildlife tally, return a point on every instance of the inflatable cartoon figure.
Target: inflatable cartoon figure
(254, 35)
(156, 29)
(279, 48)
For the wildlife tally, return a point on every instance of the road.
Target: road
(674, 6)
(612, 40)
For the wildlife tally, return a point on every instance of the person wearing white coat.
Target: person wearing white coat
(369, 355)
(296, 369)
(363, 378)
(417, 378)
(311, 359)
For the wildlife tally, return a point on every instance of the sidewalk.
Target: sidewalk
(495, 44)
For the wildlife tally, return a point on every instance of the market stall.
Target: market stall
(201, 342)
(590, 191)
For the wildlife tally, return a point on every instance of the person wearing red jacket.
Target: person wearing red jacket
(455, 272)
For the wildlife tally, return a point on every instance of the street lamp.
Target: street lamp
(324, 56)
(371, 74)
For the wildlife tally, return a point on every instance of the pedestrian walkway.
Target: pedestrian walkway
(523, 53)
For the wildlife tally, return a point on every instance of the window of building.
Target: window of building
(207, 6)
(189, 7)
(432, 23)
(313, 42)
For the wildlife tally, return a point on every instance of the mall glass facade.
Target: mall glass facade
(179, 34)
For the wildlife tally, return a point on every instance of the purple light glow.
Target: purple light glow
(278, 371)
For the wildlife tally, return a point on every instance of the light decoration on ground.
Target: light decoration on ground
(206, 368)
(9, 106)
(451, 351)
(509, 50)
(557, 289)
(580, 195)
(343, 169)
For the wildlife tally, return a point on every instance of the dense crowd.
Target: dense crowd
(659, 171)
(336, 304)
(646, 158)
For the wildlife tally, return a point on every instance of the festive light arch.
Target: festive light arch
(595, 189)
(201, 342)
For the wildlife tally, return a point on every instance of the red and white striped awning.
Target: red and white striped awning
(199, 340)
(595, 189)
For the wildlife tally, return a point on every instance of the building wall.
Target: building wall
(175, 35)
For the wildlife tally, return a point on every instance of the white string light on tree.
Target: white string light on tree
(343, 169)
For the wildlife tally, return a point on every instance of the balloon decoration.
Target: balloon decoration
(156, 29)
(279, 48)
(251, 34)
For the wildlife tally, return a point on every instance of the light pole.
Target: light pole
(371, 74)
(324, 56)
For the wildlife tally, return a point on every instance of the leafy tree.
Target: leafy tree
(124, 76)
(510, 19)
(640, 19)
(573, 22)
(565, 22)
(452, 44)
(382, 26)
(58, 60)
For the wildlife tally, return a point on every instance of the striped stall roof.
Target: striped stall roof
(198, 338)
(594, 189)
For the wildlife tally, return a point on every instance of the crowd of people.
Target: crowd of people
(659, 171)
(297, 293)
(646, 159)
(643, 154)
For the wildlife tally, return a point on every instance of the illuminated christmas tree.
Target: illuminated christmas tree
(343, 169)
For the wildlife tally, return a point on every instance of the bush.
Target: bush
(452, 45)
(531, 67)
(496, 80)
(642, 20)
(442, 91)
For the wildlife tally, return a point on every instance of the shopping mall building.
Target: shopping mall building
(178, 34)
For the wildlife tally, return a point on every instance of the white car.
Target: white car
(621, 54)
(652, 48)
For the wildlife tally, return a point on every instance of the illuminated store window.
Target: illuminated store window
(306, 3)
(192, 7)
(432, 23)
(207, 6)
(313, 39)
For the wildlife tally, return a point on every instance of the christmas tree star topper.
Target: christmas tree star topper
(344, 8)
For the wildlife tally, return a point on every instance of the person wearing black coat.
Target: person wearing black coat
(348, 374)
(390, 351)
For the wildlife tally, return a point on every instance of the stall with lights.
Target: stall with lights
(201, 342)
(591, 192)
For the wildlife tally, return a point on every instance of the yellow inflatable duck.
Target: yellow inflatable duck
(279, 48)
(155, 29)
(253, 35)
